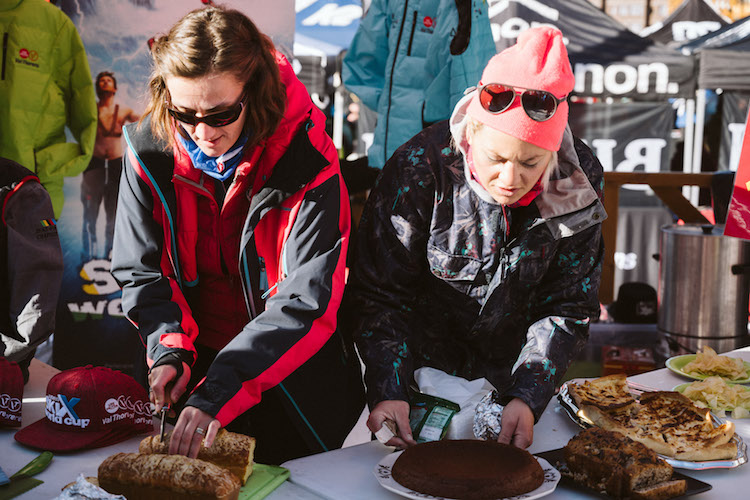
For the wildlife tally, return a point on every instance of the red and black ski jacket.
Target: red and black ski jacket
(291, 261)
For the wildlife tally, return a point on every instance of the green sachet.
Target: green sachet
(430, 416)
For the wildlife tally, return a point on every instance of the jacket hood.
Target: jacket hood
(568, 190)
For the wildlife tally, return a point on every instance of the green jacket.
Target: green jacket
(45, 85)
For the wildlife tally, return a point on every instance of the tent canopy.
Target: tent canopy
(325, 27)
(724, 58)
(692, 19)
(608, 60)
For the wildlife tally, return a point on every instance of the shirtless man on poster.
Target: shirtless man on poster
(101, 179)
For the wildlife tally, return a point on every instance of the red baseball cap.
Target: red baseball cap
(89, 407)
(11, 393)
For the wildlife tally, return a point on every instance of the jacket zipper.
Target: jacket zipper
(390, 82)
(5, 53)
(413, 29)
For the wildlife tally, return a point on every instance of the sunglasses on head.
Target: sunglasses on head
(220, 119)
(539, 105)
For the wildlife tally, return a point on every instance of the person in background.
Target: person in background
(101, 180)
(31, 265)
(45, 87)
(230, 244)
(479, 251)
(411, 61)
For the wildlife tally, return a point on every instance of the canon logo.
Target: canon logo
(621, 79)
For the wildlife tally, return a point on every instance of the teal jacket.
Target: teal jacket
(411, 60)
(45, 85)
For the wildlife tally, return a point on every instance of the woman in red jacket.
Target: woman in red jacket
(230, 245)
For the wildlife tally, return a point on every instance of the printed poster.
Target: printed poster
(91, 327)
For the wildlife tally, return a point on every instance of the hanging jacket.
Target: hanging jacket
(289, 254)
(442, 278)
(45, 85)
(411, 60)
(31, 264)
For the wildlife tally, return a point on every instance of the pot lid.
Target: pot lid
(694, 229)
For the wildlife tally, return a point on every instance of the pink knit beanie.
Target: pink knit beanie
(537, 61)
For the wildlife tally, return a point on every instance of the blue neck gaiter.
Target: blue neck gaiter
(219, 167)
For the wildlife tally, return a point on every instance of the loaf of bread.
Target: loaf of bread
(609, 462)
(229, 450)
(166, 477)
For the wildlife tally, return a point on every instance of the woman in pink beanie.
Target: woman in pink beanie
(479, 251)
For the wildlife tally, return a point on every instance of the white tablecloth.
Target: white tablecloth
(348, 473)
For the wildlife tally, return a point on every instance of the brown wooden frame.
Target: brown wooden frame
(668, 187)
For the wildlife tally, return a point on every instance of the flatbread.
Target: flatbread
(604, 392)
(668, 423)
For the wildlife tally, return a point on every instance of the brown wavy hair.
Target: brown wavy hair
(216, 39)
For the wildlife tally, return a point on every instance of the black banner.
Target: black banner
(608, 60)
(626, 137)
(733, 115)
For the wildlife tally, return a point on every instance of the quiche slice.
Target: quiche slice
(607, 392)
(670, 424)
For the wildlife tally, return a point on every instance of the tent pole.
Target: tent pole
(687, 151)
(338, 113)
(700, 120)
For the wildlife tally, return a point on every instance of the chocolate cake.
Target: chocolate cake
(468, 469)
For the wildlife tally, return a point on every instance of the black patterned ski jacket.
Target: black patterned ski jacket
(443, 278)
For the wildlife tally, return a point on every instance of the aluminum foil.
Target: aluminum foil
(84, 490)
(487, 417)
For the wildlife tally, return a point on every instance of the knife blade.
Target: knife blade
(162, 424)
(3, 477)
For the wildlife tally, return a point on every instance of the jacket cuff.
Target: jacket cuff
(390, 390)
(209, 400)
(536, 396)
(171, 343)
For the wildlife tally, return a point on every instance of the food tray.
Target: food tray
(557, 459)
(566, 401)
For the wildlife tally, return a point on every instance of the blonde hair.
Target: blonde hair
(473, 126)
(216, 40)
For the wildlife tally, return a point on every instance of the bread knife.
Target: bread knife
(162, 425)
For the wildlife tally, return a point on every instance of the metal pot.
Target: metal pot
(703, 287)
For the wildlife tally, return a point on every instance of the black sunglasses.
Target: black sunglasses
(215, 120)
(539, 105)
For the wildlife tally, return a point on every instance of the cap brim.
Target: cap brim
(45, 435)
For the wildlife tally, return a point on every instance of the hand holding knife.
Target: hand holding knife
(165, 411)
